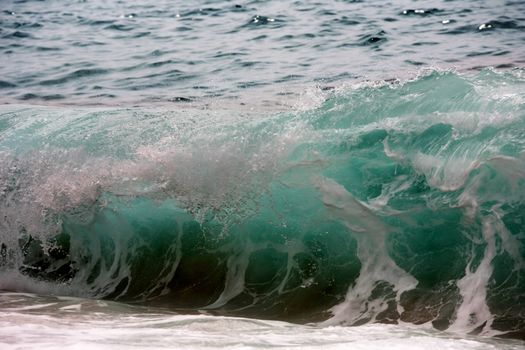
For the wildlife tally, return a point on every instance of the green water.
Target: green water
(387, 202)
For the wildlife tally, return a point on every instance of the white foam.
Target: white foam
(474, 311)
(376, 264)
(153, 330)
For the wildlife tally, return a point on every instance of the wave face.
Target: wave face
(388, 202)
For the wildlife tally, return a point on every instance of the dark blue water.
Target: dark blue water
(109, 52)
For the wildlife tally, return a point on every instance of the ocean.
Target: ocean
(262, 174)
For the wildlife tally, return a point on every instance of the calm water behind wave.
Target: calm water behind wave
(107, 52)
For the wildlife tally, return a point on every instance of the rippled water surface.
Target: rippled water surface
(93, 51)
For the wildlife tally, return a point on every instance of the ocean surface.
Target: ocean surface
(262, 174)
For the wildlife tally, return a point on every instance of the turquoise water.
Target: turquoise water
(370, 207)
(325, 164)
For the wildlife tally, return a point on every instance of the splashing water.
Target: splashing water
(398, 203)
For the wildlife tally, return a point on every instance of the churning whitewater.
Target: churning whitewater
(399, 202)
